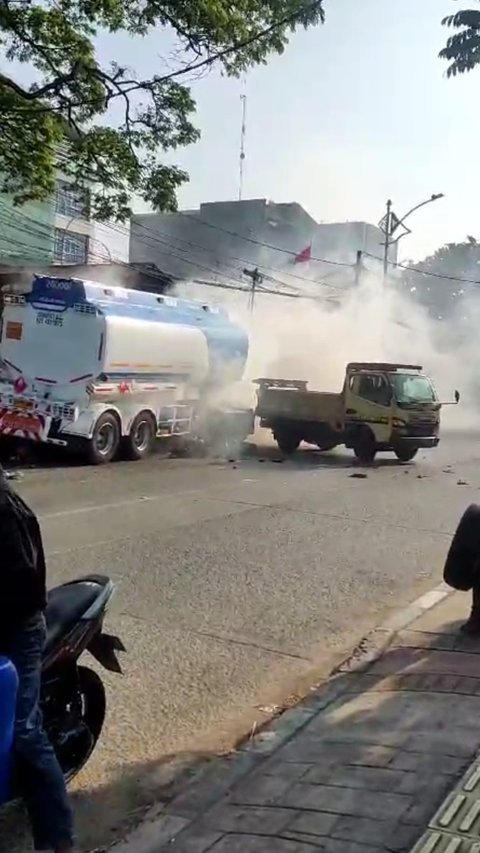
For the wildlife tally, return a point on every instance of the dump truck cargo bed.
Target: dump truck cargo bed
(274, 403)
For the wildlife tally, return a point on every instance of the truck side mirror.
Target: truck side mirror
(457, 396)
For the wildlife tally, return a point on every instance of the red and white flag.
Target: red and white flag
(304, 256)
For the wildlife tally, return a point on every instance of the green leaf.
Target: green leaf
(68, 118)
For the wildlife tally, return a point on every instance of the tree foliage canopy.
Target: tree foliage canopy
(462, 50)
(441, 280)
(73, 102)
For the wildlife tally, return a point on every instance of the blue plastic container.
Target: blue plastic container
(8, 701)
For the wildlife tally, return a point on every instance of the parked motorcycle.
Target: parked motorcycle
(73, 698)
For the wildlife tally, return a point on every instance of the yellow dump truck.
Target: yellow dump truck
(382, 407)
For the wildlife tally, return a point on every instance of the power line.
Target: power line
(409, 268)
(157, 235)
(259, 242)
(155, 240)
(152, 274)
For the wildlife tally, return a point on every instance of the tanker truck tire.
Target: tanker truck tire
(405, 453)
(364, 446)
(139, 442)
(105, 441)
(287, 440)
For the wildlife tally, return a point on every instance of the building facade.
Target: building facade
(218, 240)
(58, 231)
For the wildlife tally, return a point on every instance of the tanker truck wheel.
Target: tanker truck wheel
(105, 441)
(139, 443)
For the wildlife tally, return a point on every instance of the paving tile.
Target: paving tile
(420, 783)
(420, 660)
(213, 784)
(260, 790)
(331, 749)
(460, 813)
(257, 844)
(425, 806)
(312, 823)
(192, 840)
(403, 837)
(432, 763)
(362, 830)
(365, 778)
(400, 714)
(285, 769)
(441, 842)
(424, 640)
(229, 818)
(347, 801)
(334, 846)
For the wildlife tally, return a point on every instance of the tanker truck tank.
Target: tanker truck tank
(96, 367)
(227, 342)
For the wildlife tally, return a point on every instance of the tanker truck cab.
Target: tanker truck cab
(103, 369)
(390, 407)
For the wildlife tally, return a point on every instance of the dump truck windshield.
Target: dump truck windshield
(410, 388)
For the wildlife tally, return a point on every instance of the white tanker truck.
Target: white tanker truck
(105, 369)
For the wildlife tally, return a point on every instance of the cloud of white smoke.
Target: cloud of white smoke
(297, 338)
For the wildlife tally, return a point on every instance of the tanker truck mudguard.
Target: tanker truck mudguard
(105, 369)
(382, 407)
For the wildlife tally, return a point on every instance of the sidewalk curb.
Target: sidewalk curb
(373, 645)
(162, 823)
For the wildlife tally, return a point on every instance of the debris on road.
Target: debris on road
(358, 475)
(269, 709)
(462, 483)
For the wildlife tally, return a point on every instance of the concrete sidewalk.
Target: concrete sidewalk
(363, 766)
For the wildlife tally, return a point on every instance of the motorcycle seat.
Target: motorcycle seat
(67, 603)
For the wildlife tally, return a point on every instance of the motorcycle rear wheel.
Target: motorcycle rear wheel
(89, 707)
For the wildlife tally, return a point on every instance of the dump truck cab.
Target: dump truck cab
(389, 407)
(382, 407)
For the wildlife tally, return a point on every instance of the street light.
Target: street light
(390, 223)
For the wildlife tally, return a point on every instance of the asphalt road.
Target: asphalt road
(238, 587)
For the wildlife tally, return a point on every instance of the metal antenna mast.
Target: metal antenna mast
(243, 98)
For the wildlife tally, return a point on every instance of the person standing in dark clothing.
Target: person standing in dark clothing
(22, 639)
(462, 566)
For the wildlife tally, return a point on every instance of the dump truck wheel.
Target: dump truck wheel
(287, 441)
(405, 454)
(364, 446)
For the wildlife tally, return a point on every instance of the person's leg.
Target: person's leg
(472, 625)
(42, 782)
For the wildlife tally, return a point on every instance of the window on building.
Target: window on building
(70, 247)
(71, 201)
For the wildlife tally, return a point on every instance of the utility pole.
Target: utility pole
(391, 223)
(256, 278)
(386, 245)
(358, 268)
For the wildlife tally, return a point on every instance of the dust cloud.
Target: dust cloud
(313, 339)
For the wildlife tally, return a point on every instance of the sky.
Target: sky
(354, 112)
